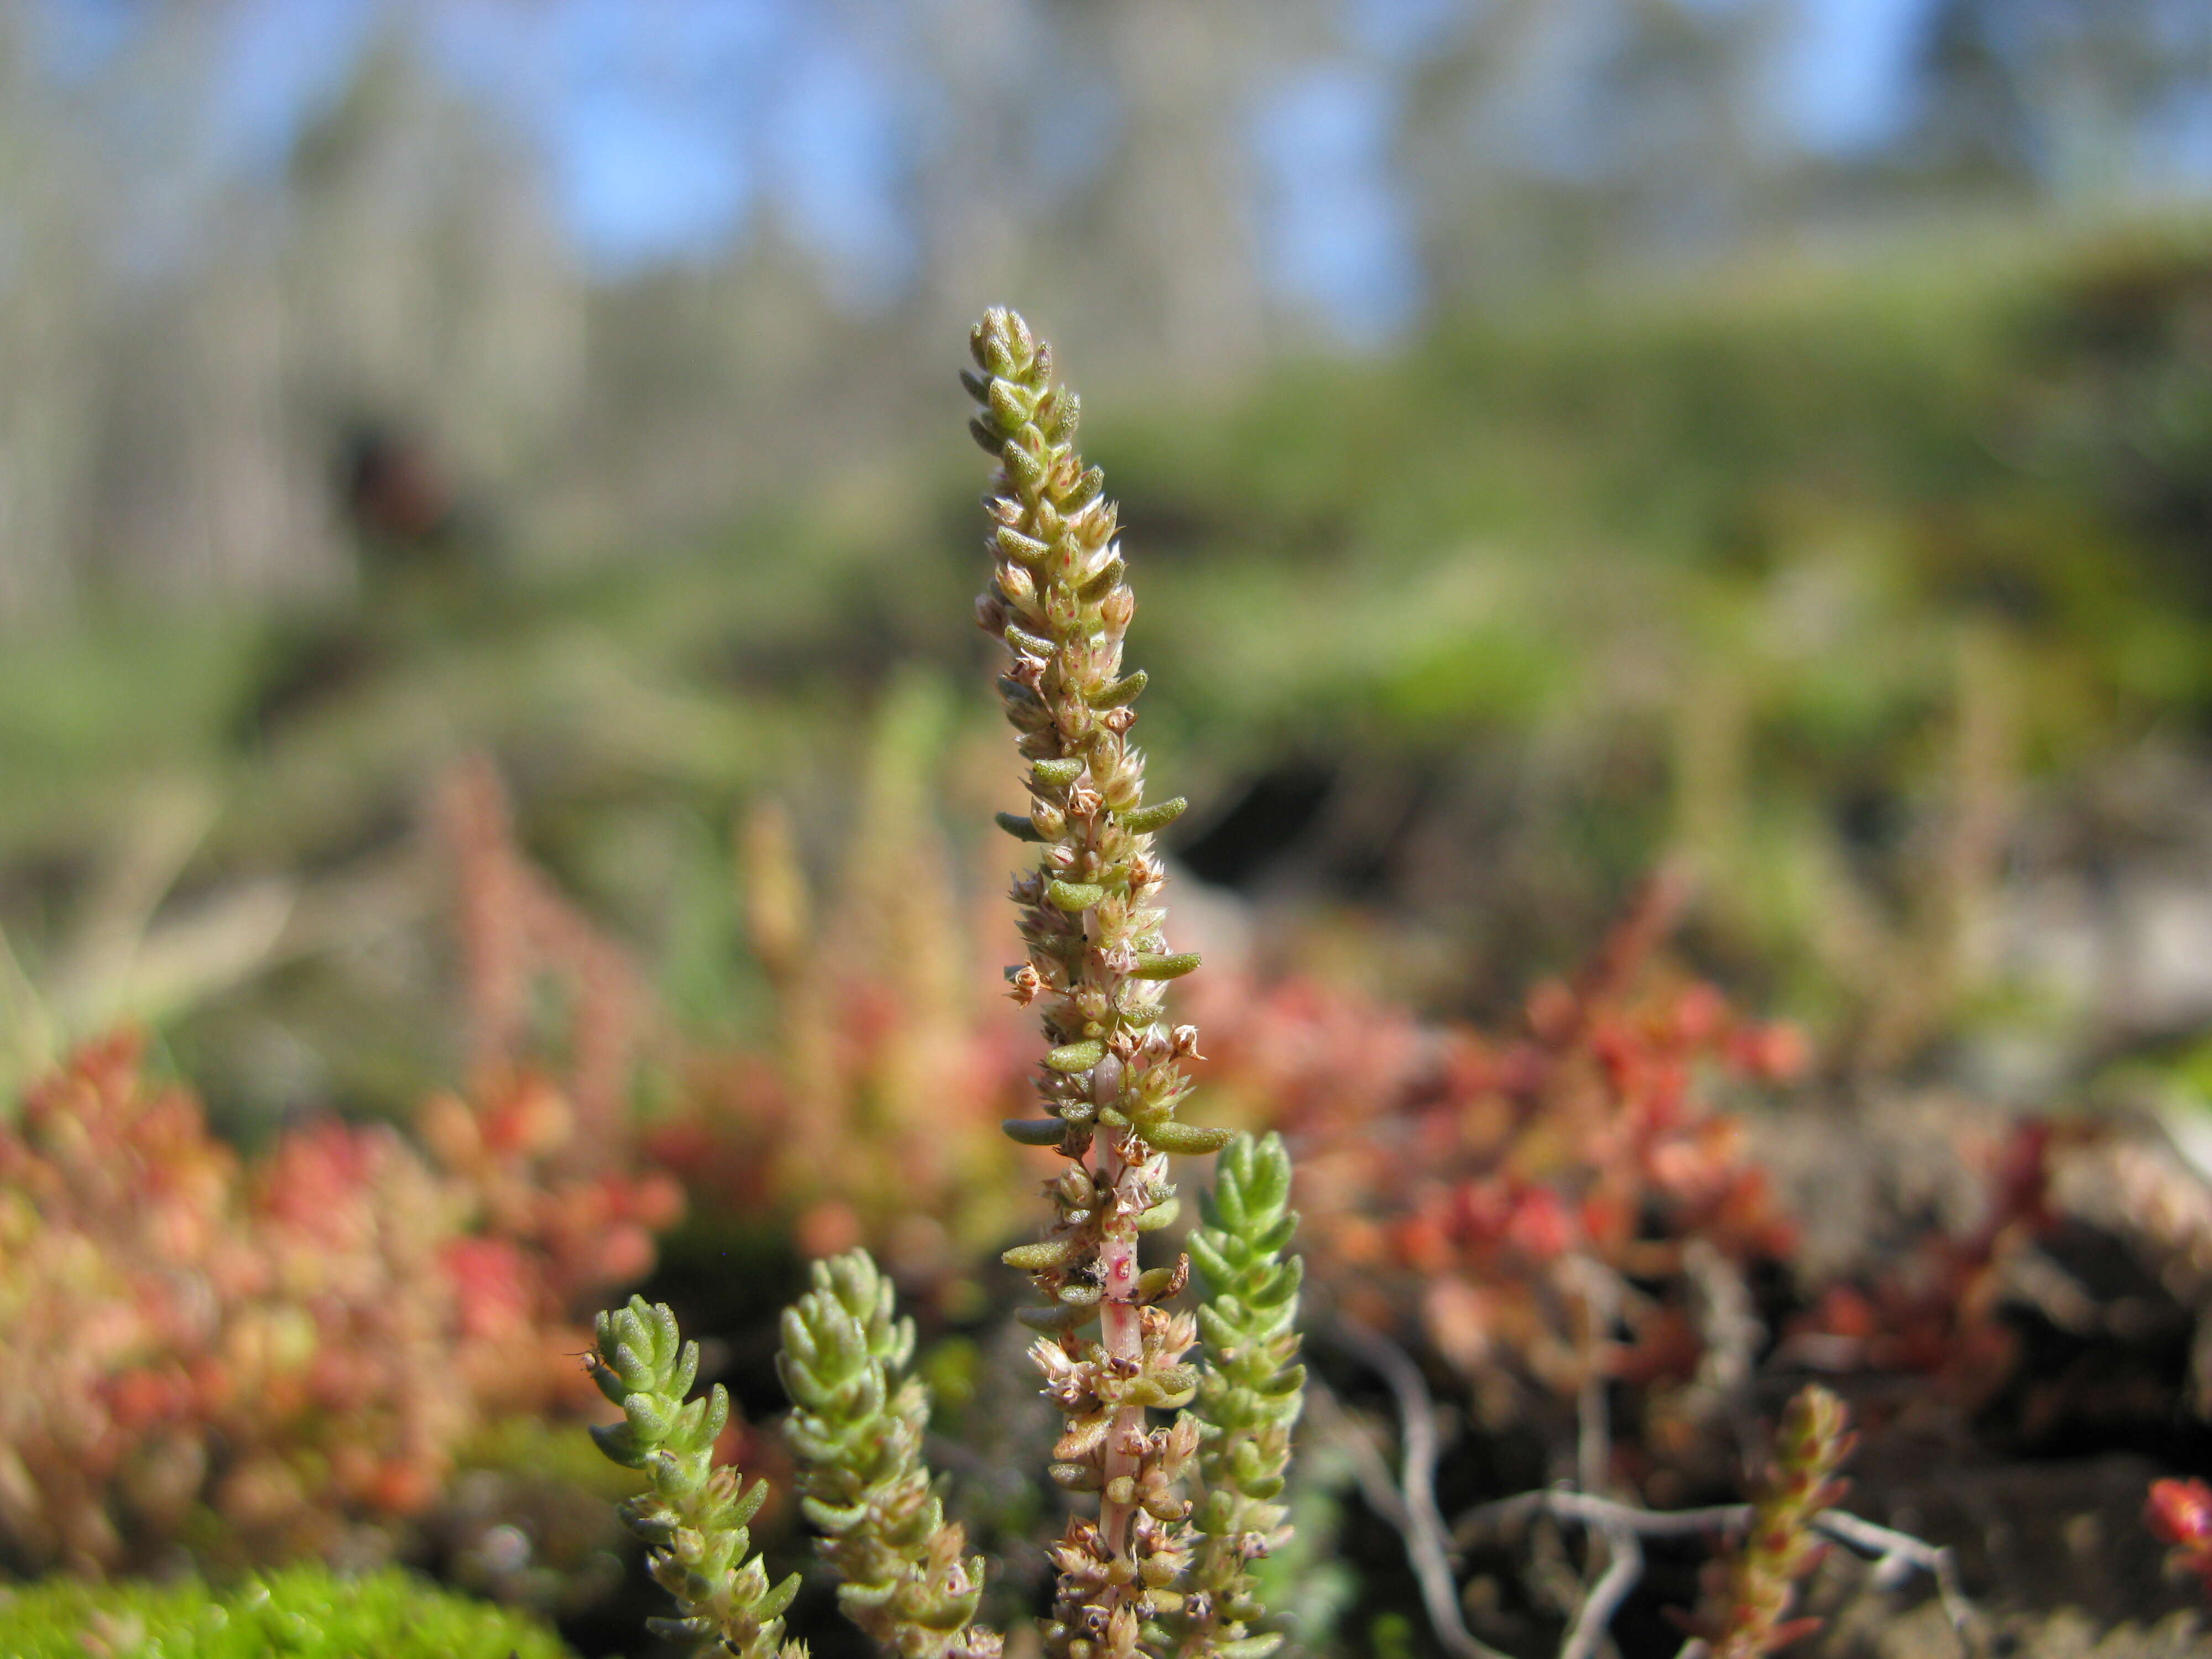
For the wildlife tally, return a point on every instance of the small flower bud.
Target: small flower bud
(1009, 408)
(1106, 1080)
(1063, 612)
(1075, 1189)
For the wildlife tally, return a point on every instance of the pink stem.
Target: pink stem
(1121, 1330)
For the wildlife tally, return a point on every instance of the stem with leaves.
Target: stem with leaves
(857, 1426)
(1249, 1395)
(693, 1515)
(1098, 959)
(1750, 1614)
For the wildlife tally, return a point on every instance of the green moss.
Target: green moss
(303, 1613)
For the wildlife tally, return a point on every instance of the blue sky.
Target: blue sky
(663, 125)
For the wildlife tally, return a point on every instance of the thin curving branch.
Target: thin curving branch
(1428, 1545)
(1893, 1553)
(1621, 1576)
(1564, 1504)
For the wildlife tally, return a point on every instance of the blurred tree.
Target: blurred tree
(51, 298)
(2069, 96)
(1548, 139)
(195, 310)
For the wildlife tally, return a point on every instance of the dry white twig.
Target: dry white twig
(1893, 1553)
(1428, 1545)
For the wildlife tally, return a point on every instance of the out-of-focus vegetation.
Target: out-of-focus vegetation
(1837, 583)
(508, 732)
(302, 1613)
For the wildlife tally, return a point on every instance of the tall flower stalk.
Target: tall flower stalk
(1749, 1615)
(1097, 958)
(1143, 1574)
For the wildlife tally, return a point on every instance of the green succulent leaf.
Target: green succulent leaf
(862, 1479)
(692, 1519)
(1075, 895)
(1165, 967)
(1191, 1139)
(1072, 1057)
(1144, 820)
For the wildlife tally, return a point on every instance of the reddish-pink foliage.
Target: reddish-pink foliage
(290, 1348)
(1936, 1312)
(1511, 1188)
(2180, 1512)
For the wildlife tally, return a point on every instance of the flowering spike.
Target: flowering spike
(1748, 1615)
(1059, 599)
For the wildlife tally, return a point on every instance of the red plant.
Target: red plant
(1569, 1202)
(2180, 1512)
(1936, 1312)
(293, 1348)
(517, 929)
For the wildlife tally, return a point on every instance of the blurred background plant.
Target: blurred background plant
(303, 1613)
(483, 563)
